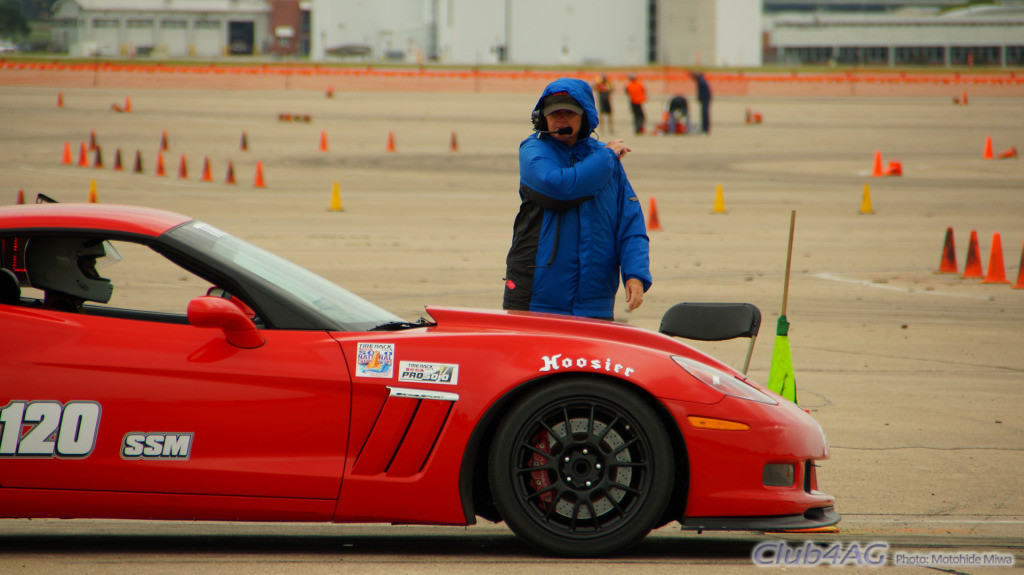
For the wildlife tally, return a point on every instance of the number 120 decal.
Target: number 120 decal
(49, 428)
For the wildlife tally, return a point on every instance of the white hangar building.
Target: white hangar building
(163, 28)
(979, 35)
(539, 32)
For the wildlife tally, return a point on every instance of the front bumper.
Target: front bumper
(727, 486)
(811, 519)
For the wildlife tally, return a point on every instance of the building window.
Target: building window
(139, 24)
(808, 55)
(106, 23)
(206, 24)
(920, 56)
(173, 24)
(64, 23)
(975, 55)
(1014, 55)
(863, 55)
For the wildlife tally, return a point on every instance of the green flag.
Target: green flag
(781, 378)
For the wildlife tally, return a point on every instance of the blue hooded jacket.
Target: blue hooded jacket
(580, 228)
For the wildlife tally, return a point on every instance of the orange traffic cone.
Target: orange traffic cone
(987, 154)
(60, 99)
(964, 100)
(996, 272)
(1008, 153)
(183, 168)
(21, 196)
(454, 146)
(206, 170)
(83, 156)
(877, 171)
(160, 164)
(330, 91)
(972, 267)
(391, 142)
(163, 141)
(230, 178)
(653, 224)
(259, 183)
(117, 160)
(1020, 272)
(137, 169)
(66, 158)
(97, 159)
(92, 140)
(127, 103)
(948, 263)
(245, 142)
(323, 141)
(894, 169)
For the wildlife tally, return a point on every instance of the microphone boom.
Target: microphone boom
(561, 131)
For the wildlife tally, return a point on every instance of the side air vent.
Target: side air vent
(405, 433)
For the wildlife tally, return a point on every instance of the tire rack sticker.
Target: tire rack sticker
(423, 372)
(375, 360)
(49, 429)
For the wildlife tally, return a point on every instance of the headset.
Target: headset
(540, 124)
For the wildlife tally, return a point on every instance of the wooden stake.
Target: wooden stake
(789, 261)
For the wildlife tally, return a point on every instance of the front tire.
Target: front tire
(582, 467)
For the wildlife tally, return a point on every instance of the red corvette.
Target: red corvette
(203, 378)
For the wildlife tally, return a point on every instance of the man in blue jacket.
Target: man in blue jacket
(580, 226)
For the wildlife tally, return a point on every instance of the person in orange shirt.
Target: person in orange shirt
(637, 96)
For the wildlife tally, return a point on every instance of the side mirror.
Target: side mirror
(239, 330)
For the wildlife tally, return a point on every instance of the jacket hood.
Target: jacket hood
(578, 90)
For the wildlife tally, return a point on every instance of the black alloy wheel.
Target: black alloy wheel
(582, 467)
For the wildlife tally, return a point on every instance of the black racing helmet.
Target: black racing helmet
(67, 266)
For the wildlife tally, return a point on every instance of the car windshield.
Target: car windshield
(347, 310)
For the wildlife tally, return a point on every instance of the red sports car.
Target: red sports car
(203, 378)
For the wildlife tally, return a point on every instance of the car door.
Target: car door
(112, 404)
(134, 399)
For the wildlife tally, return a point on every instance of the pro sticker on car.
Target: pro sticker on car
(414, 371)
(375, 360)
(54, 429)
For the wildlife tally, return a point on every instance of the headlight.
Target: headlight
(721, 381)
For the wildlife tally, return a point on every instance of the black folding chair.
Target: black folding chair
(713, 322)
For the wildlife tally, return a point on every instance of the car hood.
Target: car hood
(536, 323)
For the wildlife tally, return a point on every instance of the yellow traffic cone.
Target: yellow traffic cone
(92, 192)
(336, 199)
(865, 204)
(719, 201)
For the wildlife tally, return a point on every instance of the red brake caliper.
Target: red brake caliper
(541, 479)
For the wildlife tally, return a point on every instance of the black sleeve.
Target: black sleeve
(547, 202)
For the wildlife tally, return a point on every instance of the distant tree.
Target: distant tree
(12, 23)
(31, 10)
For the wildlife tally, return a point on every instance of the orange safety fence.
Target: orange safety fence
(667, 79)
